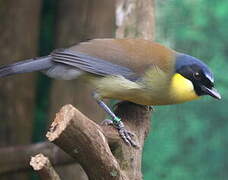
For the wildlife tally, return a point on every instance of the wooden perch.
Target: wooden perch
(16, 158)
(43, 166)
(99, 150)
(84, 140)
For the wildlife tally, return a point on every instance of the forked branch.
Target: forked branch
(98, 149)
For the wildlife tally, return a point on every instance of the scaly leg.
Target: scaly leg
(116, 122)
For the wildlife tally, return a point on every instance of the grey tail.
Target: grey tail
(26, 66)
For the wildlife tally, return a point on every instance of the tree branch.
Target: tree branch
(43, 166)
(89, 143)
(16, 158)
(84, 140)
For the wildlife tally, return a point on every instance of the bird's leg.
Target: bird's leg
(116, 122)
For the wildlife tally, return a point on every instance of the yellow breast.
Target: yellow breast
(117, 87)
(182, 89)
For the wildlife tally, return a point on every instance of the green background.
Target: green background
(189, 141)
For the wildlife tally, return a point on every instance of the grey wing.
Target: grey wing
(91, 64)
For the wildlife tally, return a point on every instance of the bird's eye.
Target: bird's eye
(197, 76)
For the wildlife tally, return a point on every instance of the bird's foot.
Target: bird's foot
(124, 133)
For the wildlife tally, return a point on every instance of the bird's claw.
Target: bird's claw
(124, 134)
(127, 137)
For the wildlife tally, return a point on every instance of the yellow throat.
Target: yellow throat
(182, 89)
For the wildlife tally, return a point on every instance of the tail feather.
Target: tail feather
(26, 66)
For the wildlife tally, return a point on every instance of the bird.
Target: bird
(136, 70)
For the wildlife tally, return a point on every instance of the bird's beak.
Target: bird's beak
(212, 92)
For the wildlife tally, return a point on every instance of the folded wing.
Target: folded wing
(91, 64)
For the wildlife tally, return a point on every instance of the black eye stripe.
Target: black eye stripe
(196, 75)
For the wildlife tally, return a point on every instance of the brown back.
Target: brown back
(135, 54)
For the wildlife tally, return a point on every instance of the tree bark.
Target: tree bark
(135, 18)
(79, 20)
(42, 165)
(85, 141)
(16, 158)
(19, 33)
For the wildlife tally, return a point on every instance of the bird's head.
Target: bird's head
(198, 73)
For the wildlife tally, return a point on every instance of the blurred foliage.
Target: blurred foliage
(188, 141)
